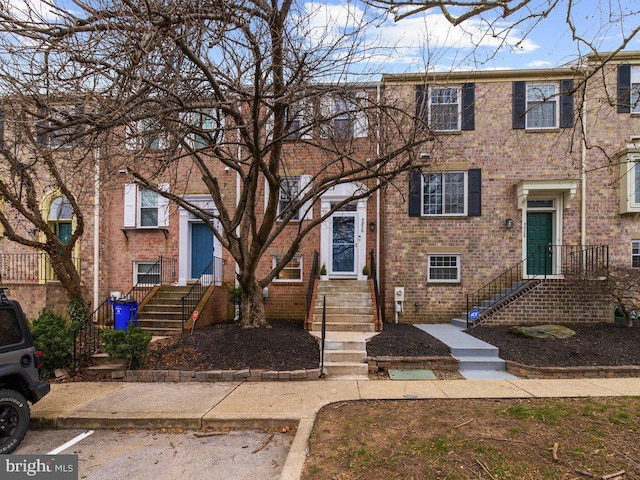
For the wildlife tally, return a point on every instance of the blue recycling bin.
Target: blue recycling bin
(124, 312)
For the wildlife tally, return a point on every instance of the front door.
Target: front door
(539, 241)
(201, 248)
(343, 243)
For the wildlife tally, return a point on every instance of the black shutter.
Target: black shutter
(519, 107)
(415, 193)
(624, 89)
(566, 103)
(474, 208)
(422, 106)
(1, 129)
(468, 106)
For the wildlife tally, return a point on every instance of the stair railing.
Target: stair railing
(314, 275)
(211, 275)
(163, 272)
(374, 276)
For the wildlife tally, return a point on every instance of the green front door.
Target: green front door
(539, 241)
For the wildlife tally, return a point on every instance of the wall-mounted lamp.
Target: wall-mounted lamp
(265, 293)
(123, 171)
(508, 223)
(32, 232)
(372, 226)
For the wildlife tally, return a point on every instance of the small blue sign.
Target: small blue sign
(474, 314)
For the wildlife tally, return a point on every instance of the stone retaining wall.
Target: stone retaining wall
(448, 363)
(246, 375)
(527, 371)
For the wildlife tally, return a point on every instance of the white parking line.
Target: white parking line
(70, 443)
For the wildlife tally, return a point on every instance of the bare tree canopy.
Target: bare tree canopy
(195, 91)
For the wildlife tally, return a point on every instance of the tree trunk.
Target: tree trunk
(252, 308)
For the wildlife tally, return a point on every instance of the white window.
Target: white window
(635, 89)
(145, 208)
(542, 105)
(635, 254)
(146, 273)
(444, 108)
(58, 130)
(444, 268)
(298, 121)
(146, 134)
(206, 128)
(630, 184)
(291, 189)
(345, 117)
(444, 193)
(292, 271)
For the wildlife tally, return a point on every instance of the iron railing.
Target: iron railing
(315, 273)
(34, 267)
(211, 275)
(88, 334)
(373, 273)
(163, 272)
(541, 263)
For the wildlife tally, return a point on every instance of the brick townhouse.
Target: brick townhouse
(527, 167)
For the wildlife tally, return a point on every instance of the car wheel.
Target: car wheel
(14, 419)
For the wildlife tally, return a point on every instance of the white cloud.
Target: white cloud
(34, 10)
(539, 64)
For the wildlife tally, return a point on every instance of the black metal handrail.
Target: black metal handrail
(31, 267)
(211, 275)
(315, 271)
(163, 272)
(544, 262)
(373, 274)
(88, 335)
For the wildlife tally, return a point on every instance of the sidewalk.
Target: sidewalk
(258, 405)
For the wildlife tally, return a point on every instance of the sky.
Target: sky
(428, 40)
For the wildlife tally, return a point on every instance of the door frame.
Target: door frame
(556, 211)
(356, 246)
(338, 194)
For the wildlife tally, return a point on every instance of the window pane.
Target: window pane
(454, 193)
(432, 194)
(149, 217)
(291, 271)
(148, 273)
(635, 254)
(60, 209)
(443, 267)
(444, 108)
(148, 198)
(10, 333)
(636, 189)
(541, 105)
(289, 191)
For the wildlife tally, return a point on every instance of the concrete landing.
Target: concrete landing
(478, 360)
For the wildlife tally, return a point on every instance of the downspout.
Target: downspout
(96, 230)
(378, 150)
(583, 166)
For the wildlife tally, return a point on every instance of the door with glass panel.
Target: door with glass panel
(344, 243)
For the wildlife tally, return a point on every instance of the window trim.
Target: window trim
(635, 245)
(136, 272)
(554, 98)
(306, 210)
(133, 207)
(629, 189)
(430, 104)
(465, 199)
(276, 258)
(458, 267)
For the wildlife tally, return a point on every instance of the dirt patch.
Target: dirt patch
(595, 345)
(479, 439)
(405, 341)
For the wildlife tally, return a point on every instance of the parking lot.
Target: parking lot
(143, 455)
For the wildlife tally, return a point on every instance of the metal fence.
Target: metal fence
(32, 267)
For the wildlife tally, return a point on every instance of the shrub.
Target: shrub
(52, 334)
(130, 345)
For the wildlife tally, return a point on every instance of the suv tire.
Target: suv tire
(14, 419)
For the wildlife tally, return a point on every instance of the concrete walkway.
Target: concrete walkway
(274, 404)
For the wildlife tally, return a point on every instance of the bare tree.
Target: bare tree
(225, 87)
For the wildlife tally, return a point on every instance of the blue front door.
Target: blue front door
(201, 248)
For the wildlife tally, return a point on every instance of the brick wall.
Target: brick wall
(555, 301)
(34, 298)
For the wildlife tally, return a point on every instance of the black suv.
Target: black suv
(19, 374)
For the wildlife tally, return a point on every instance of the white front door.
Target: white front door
(344, 244)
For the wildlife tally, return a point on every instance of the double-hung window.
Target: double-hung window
(444, 268)
(628, 89)
(635, 254)
(292, 271)
(144, 208)
(444, 108)
(444, 193)
(206, 128)
(146, 273)
(291, 190)
(60, 128)
(542, 105)
(146, 134)
(345, 117)
(298, 118)
(630, 184)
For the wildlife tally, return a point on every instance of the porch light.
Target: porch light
(265, 293)
(372, 226)
(508, 224)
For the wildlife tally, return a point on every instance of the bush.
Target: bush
(130, 345)
(52, 334)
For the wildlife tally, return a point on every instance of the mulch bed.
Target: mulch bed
(596, 345)
(287, 346)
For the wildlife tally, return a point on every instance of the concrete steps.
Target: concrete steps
(162, 315)
(349, 324)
